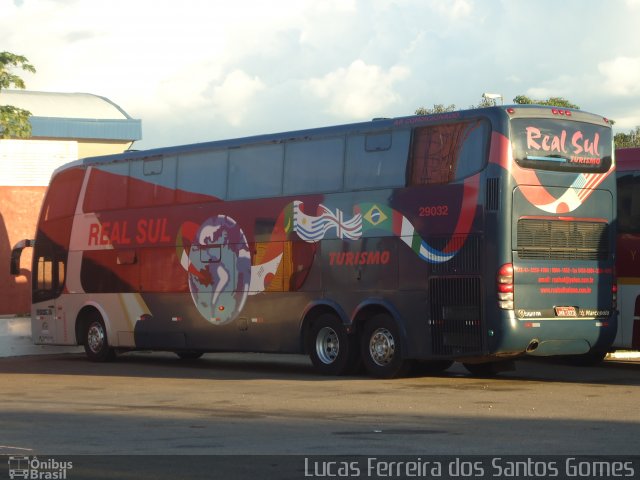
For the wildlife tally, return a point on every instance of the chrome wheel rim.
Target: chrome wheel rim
(327, 345)
(95, 337)
(382, 347)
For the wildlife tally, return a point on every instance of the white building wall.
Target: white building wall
(30, 163)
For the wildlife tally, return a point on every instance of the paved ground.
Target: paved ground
(156, 412)
(276, 404)
(15, 339)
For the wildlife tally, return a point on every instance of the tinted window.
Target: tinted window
(203, 172)
(444, 153)
(104, 182)
(153, 181)
(62, 195)
(377, 160)
(255, 171)
(314, 166)
(561, 145)
(628, 202)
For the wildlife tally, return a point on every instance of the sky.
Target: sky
(195, 70)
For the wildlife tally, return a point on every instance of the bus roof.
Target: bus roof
(627, 159)
(362, 127)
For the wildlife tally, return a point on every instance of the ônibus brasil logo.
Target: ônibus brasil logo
(23, 467)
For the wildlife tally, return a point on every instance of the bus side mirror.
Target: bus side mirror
(16, 252)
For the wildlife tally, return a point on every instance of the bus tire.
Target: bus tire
(381, 348)
(331, 349)
(96, 344)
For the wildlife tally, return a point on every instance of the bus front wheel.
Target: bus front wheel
(382, 348)
(331, 349)
(96, 344)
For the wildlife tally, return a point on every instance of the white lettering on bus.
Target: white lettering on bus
(558, 143)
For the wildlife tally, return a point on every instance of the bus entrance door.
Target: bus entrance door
(47, 318)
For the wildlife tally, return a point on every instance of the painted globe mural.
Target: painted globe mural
(220, 269)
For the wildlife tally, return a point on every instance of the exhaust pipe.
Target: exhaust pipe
(533, 344)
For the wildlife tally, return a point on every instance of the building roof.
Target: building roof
(74, 115)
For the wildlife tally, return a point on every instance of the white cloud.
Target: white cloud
(359, 91)
(622, 75)
(234, 96)
(179, 66)
(455, 10)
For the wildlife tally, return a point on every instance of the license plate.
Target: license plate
(566, 312)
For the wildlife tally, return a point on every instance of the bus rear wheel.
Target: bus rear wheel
(381, 348)
(96, 344)
(331, 349)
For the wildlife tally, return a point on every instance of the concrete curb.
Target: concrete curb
(624, 355)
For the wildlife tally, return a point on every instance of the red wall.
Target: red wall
(19, 210)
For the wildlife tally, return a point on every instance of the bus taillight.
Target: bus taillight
(505, 286)
(559, 111)
(614, 294)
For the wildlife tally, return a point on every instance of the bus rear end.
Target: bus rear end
(556, 288)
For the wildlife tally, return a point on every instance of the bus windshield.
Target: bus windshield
(561, 145)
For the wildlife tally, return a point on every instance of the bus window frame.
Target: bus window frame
(606, 160)
(453, 177)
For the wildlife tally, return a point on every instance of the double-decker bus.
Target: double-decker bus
(628, 249)
(475, 236)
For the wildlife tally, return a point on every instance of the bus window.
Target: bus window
(152, 166)
(49, 269)
(202, 172)
(255, 171)
(314, 166)
(377, 160)
(561, 145)
(62, 195)
(61, 272)
(474, 150)
(628, 202)
(153, 181)
(44, 275)
(448, 152)
(103, 180)
(377, 142)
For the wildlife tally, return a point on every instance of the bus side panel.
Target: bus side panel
(627, 268)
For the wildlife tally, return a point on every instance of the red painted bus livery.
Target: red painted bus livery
(391, 243)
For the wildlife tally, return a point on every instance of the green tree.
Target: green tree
(437, 108)
(487, 102)
(14, 122)
(627, 140)
(551, 101)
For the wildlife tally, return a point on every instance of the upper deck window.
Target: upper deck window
(628, 202)
(449, 152)
(62, 194)
(561, 145)
(377, 160)
(255, 171)
(313, 166)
